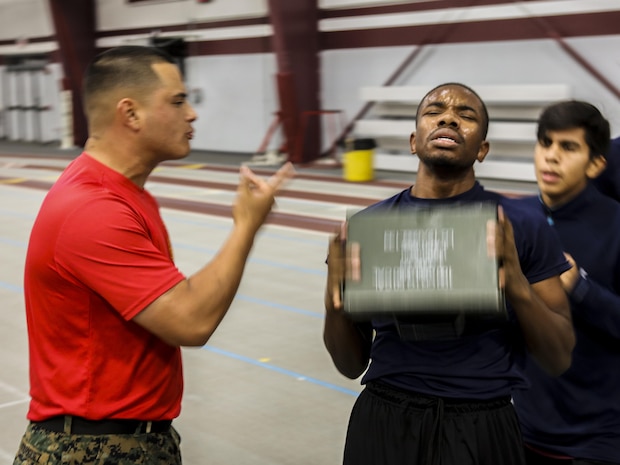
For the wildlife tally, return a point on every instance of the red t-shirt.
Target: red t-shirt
(98, 254)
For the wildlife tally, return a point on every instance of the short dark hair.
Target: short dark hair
(485, 111)
(125, 66)
(571, 114)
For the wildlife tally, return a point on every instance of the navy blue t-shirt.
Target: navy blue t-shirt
(481, 364)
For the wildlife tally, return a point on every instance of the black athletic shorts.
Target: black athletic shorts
(389, 426)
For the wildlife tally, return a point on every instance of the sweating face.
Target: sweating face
(450, 128)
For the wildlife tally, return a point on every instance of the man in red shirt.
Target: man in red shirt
(106, 307)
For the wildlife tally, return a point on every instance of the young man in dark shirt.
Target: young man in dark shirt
(448, 401)
(575, 418)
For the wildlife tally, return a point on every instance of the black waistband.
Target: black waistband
(417, 400)
(78, 425)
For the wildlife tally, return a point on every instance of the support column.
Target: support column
(74, 24)
(296, 44)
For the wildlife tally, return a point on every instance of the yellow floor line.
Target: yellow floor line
(195, 166)
(12, 180)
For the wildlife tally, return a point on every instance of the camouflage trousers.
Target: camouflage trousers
(39, 446)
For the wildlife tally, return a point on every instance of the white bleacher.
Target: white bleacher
(513, 111)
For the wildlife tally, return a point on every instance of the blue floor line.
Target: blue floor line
(11, 287)
(13, 243)
(287, 308)
(280, 370)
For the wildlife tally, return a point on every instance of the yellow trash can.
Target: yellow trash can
(358, 160)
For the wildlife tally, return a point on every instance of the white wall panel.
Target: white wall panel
(470, 14)
(343, 72)
(51, 120)
(118, 14)
(515, 62)
(25, 19)
(238, 100)
(602, 53)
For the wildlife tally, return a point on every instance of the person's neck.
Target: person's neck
(121, 158)
(553, 203)
(431, 186)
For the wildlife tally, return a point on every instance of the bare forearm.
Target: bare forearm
(212, 289)
(189, 313)
(547, 328)
(345, 344)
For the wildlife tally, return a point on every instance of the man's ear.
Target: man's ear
(127, 111)
(483, 151)
(412, 143)
(596, 166)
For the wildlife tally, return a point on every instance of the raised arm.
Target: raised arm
(542, 308)
(347, 343)
(189, 313)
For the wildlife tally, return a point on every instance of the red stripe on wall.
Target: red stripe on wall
(31, 40)
(230, 47)
(477, 31)
(410, 7)
(578, 25)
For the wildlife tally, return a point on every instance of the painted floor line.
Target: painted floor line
(287, 308)
(280, 370)
(11, 287)
(14, 403)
